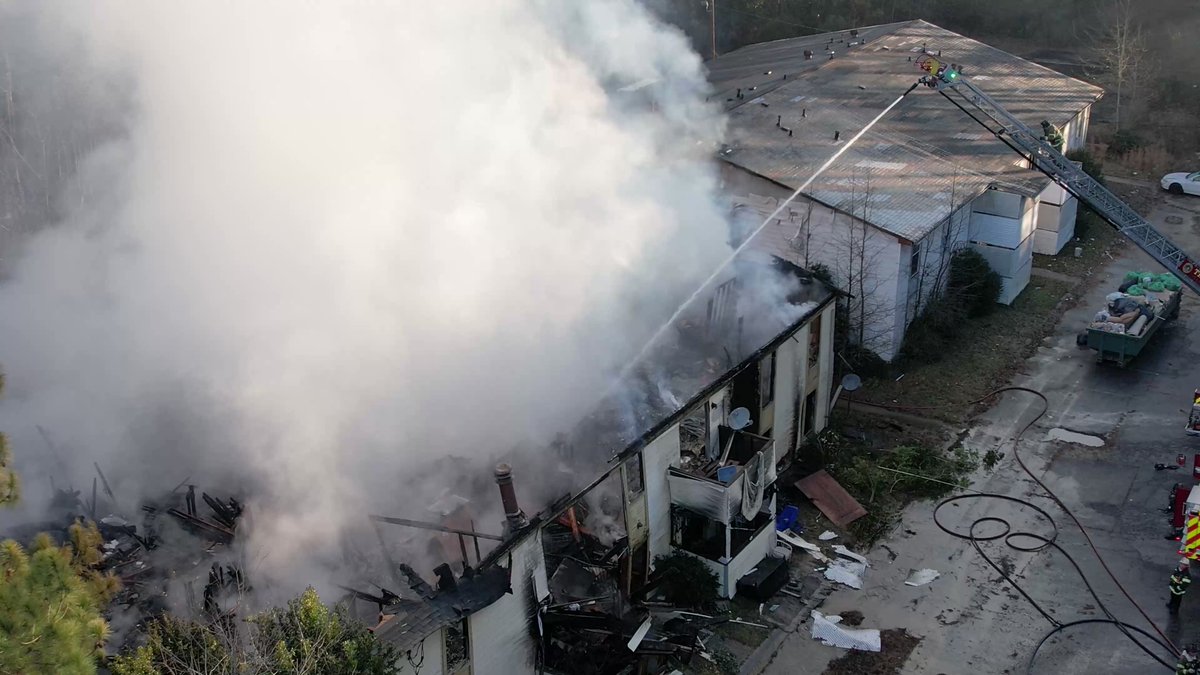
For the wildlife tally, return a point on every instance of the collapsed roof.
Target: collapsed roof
(922, 160)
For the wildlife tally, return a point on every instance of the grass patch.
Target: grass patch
(750, 636)
(987, 354)
(884, 481)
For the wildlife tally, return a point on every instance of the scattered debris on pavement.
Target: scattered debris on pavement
(847, 553)
(896, 646)
(830, 633)
(846, 572)
(852, 617)
(922, 577)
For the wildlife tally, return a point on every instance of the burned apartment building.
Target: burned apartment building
(685, 458)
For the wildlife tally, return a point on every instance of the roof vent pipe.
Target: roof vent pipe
(513, 516)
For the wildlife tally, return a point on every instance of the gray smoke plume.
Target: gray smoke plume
(328, 244)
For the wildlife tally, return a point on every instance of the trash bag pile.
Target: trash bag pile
(1140, 283)
(1141, 297)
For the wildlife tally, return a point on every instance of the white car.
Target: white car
(1182, 183)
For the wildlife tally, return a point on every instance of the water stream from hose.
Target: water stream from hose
(737, 251)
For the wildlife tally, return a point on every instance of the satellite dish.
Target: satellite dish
(739, 418)
(851, 382)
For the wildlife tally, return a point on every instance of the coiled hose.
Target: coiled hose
(1029, 542)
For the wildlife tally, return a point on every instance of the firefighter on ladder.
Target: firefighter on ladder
(1052, 135)
(1180, 580)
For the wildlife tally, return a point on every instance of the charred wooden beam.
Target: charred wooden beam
(435, 527)
(224, 515)
(211, 531)
(104, 481)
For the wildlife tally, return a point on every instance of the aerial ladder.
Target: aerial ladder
(948, 78)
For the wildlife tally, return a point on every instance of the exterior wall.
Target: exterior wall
(1055, 226)
(864, 260)
(934, 251)
(1056, 211)
(499, 634)
(1076, 131)
(1002, 229)
(784, 404)
(426, 659)
(825, 368)
(657, 457)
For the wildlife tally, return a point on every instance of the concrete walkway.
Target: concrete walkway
(1056, 276)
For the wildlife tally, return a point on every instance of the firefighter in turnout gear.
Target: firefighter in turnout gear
(1052, 135)
(1180, 580)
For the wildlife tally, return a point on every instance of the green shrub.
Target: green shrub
(685, 580)
(1087, 222)
(972, 284)
(864, 362)
(1091, 166)
(821, 272)
(1123, 142)
(972, 290)
(923, 343)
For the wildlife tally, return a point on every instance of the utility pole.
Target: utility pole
(712, 23)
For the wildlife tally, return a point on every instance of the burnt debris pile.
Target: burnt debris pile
(172, 554)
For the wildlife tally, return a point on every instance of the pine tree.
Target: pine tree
(304, 638)
(49, 615)
(10, 486)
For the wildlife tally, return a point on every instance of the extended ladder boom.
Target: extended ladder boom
(1073, 179)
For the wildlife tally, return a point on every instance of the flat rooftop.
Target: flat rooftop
(921, 161)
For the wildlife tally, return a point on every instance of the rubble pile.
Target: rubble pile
(161, 561)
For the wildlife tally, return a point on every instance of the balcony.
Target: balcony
(731, 485)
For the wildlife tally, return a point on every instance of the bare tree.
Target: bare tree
(1120, 52)
(860, 271)
(936, 251)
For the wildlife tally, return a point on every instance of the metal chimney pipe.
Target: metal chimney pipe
(508, 497)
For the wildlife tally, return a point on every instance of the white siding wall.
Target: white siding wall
(809, 232)
(1076, 131)
(1007, 261)
(662, 453)
(935, 251)
(1015, 284)
(1002, 227)
(428, 657)
(825, 382)
(1055, 226)
(748, 558)
(786, 387)
(499, 634)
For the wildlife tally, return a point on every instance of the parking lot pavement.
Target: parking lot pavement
(970, 619)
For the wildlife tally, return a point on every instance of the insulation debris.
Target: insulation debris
(922, 577)
(799, 542)
(827, 630)
(846, 572)
(847, 553)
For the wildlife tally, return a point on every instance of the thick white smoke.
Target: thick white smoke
(338, 241)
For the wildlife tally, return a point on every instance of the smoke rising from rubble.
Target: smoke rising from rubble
(337, 242)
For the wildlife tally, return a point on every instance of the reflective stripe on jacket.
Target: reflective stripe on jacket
(1179, 583)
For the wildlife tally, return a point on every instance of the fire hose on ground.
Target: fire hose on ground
(1029, 542)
